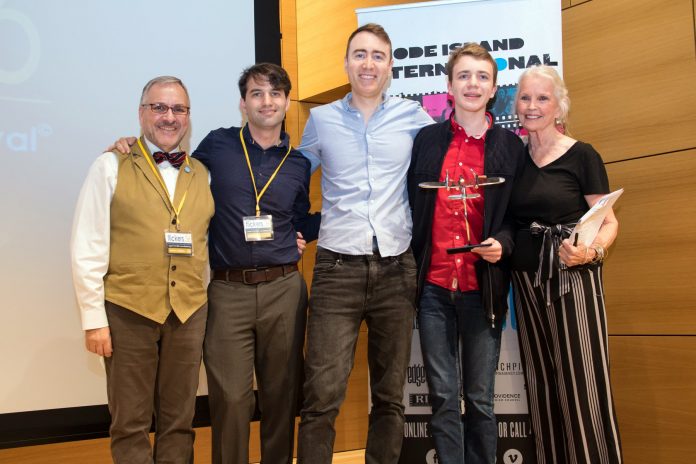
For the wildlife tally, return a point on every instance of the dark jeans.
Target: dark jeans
(346, 290)
(448, 320)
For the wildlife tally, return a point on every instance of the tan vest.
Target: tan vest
(142, 277)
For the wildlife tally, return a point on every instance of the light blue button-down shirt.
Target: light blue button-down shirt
(364, 168)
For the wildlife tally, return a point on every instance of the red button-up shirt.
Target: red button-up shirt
(450, 216)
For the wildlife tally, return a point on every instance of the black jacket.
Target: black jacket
(503, 154)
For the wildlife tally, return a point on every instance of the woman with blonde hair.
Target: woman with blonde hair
(558, 288)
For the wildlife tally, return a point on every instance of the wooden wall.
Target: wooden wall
(630, 66)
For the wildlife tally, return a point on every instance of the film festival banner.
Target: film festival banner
(519, 34)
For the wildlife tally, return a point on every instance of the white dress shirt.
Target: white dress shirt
(90, 242)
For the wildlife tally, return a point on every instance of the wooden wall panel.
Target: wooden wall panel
(653, 380)
(294, 125)
(288, 42)
(630, 68)
(649, 273)
(322, 30)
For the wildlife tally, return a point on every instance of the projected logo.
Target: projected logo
(25, 141)
(21, 24)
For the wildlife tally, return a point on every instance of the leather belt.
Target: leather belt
(254, 275)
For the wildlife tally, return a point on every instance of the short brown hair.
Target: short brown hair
(274, 74)
(473, 50)
(372, 28)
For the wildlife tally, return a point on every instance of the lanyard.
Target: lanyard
(253, 182)
(158, 175)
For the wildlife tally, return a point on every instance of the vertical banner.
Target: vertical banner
(519, 34)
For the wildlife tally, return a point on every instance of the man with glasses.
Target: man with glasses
(258, 299)
(139, 254)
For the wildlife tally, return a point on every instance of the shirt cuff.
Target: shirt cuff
(94, 319)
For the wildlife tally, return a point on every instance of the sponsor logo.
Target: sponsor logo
(418, 400)
(510, 367)
(512, 456)
(416, 374)
(431, 457)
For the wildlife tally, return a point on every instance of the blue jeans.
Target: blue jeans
(446, 318)
(345, 291)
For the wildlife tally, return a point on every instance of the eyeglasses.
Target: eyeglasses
(161, 108)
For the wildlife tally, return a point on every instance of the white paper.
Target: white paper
(589, 224)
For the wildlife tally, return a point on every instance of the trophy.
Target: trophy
(464, 187)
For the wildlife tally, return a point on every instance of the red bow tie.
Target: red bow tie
(176, 159)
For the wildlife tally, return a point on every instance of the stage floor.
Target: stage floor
(97, 452)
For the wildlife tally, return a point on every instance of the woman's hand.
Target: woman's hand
(575, 255)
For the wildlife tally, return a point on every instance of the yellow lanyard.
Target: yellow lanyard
(253, 182)
(158, 175)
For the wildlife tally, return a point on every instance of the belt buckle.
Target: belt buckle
(244, 276)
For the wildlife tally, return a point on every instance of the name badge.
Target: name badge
(178, 243)
(259, 228)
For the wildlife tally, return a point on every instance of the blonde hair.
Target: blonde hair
(560, 91)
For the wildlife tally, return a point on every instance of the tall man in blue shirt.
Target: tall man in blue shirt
(364, 267)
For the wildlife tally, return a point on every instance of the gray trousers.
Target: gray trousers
(345, 291)
(254, 327)
(153, 370)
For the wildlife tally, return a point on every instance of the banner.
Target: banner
(519, 34)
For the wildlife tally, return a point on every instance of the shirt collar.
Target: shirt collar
(154, 148)
(284, 138)
(455, 127)
(345, 102)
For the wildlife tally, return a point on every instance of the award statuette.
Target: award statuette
(464, 187)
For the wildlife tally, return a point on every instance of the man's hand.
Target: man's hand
(98, 341)
(122, 145)
(301, 243)
(492, 253)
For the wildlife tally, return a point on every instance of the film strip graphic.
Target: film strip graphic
(439, 106)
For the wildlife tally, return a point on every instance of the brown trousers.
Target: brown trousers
(153, 371)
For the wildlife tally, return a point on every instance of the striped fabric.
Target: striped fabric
(566, 363)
